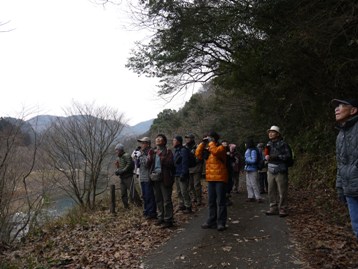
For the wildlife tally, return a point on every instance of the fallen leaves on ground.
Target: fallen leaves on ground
(105, 241)
(320, 226)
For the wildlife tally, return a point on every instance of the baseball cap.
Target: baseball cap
(352, 102)
(190, 136)
(144, 139)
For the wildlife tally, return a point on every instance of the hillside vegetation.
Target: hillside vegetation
(261, 63)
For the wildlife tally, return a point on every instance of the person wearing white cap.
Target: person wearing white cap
(277, 153)
(346, 113)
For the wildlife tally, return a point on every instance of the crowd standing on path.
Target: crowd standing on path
(346, 113)
(220, 163)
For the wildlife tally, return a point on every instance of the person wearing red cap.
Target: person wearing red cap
(346, 114)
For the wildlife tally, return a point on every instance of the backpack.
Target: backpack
(192, 158)
(260, 160)
(290, 161)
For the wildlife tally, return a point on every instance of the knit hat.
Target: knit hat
(179, 139)
(119, 146)
(214, 135)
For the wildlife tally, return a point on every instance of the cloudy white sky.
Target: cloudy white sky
(54, 52)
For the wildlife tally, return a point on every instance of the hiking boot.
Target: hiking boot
(228, 202)
(159, 222)
(260, 201)
(221, 228)
(250, 200)
(272, 212)
(187, 210)
(167, 224)
(283, 213)
(208, 226)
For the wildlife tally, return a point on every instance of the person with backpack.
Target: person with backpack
(252, 159)
(346, 114)
(125, 168)
(216, 176)
(181, 164)
(195, 187)
(277, 154)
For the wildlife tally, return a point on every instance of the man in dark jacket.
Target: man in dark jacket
(195, 187)
(277, 153)
(181, 163)
(346, 113)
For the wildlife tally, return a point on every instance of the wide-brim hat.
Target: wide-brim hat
(275, 129)
(352, 102)
(144, 139)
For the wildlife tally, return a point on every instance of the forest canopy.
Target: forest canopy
(289, 58)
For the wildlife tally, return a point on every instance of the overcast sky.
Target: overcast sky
(54, 52)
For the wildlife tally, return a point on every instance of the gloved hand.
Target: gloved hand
(184, 178)
(273, 157)
(341, 196)
(118, 172)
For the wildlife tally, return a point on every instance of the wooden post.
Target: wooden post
(113, 199)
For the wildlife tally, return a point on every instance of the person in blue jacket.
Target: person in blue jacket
(251, 159)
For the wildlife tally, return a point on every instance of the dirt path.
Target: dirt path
(252, 240)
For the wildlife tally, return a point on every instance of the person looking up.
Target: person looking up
(346, 113)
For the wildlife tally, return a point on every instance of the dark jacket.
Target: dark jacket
(279, 153)
(167, 165)
(347, 158)
(198, 168)
(181, 161)
(126, 165)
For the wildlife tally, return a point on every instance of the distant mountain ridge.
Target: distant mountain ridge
(41, 122)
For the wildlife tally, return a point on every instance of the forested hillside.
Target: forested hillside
(262, 62)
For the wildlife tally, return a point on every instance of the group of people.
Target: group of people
(160, 168)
